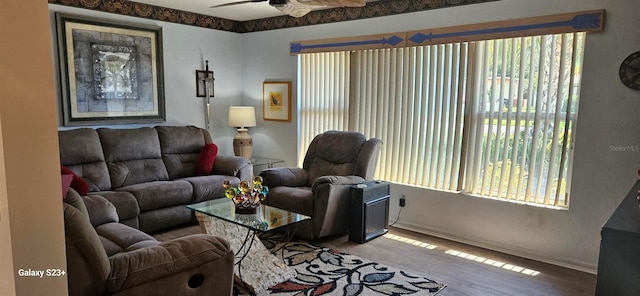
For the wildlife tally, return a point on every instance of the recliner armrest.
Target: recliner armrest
(290, 177)
(153, 263)
(337, 180)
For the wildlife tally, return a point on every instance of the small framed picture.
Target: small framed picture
(276, 101)
(200, 83)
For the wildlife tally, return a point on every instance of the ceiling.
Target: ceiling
(242, 12)
(255, 17)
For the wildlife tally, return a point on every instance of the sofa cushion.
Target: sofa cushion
(295, 199)
(95, 174)
(127, 144)
(206, 159)
(160, 194)
(180, 165)
(181, 146)
(181, 139)
(132, 172)
(81, 151)
(132, 155)
(340, 147)
(321, 167)
(333, 153)
(80, 146)
(151, 221)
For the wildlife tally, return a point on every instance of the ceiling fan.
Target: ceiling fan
(298, 8)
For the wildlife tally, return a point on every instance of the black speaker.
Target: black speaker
(278, 2)
(369, 211)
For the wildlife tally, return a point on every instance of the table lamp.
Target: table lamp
(242, 117)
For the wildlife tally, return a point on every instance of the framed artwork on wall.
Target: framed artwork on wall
(276, 100)
(110, 72)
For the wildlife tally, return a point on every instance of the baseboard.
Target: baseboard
(588, 268)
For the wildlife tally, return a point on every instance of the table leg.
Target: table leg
(259, 269)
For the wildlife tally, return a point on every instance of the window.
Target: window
(492, 118)
(526, 98)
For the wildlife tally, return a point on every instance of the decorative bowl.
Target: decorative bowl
(246, 198)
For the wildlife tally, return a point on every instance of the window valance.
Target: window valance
(584, 21)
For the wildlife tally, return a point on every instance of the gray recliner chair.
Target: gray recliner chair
(335, 161)
(105, 257)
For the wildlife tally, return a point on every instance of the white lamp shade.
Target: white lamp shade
(242, 116)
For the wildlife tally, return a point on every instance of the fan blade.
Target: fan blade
(334, 3)
(237, 3)
(294, 8)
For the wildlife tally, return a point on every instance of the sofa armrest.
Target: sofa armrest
(100, 210)
(290, 177)
(159, 264)
(233, 166)
(337, 180)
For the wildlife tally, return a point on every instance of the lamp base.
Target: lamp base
(243, 144)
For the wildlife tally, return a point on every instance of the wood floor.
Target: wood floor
(465, 269)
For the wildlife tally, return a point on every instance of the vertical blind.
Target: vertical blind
(492, 118)
(422, 137)
(324, 93)
(523, 117)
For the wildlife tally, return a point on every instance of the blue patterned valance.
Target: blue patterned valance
(554, 24)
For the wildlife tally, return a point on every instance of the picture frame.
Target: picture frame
(111, 72)
(200, 89)
(276, 100)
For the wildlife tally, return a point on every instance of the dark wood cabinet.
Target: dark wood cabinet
(619, 261)
(369, 211)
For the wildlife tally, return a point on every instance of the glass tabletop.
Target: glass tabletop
(256, 161)
(265, 219)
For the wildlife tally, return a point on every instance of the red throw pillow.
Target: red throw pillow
(66, 182)
(206, 159)
(78, 184)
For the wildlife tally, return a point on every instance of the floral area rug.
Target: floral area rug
(324, 271)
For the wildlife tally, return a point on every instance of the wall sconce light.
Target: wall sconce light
(204, 89)
(242, 117)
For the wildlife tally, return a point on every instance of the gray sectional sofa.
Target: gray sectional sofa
(149, 174)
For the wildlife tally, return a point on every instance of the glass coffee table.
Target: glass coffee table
(256, 268)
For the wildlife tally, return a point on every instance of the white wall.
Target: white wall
(185, 50)
(608, 116)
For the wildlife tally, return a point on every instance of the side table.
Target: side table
(260, 161)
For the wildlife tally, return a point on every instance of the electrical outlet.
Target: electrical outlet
(402, 201)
